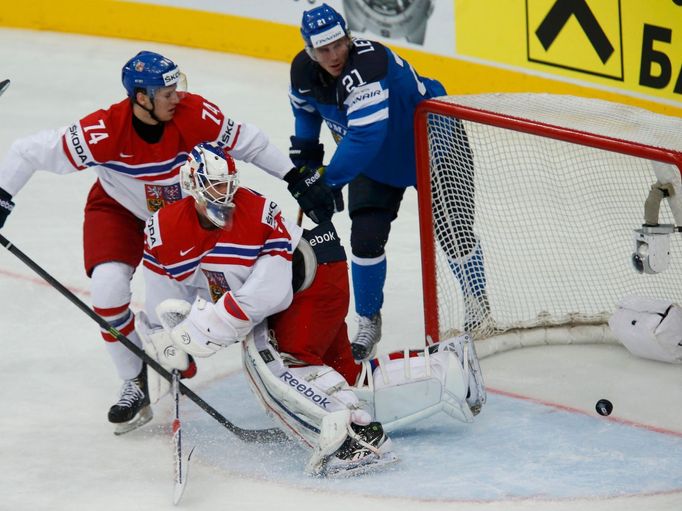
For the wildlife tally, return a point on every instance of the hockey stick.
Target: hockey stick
(181, 472)
(3, 86)
(247, 435)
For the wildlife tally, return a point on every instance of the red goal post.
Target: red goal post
(559, 184)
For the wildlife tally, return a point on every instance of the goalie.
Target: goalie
(283, 292)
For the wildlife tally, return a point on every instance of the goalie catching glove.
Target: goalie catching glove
(208, 327)
(159, 346)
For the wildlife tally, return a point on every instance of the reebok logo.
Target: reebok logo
(312, 179)
(322, 238)
(305, 390)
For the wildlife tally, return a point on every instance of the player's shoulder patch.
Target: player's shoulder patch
(270, 212)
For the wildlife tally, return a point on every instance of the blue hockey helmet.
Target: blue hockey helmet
(149, 71)
(322, 25)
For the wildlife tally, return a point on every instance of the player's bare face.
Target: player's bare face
(333, 56)
(165, 101)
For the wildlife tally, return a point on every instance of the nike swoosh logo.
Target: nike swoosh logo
(185, 252)
(303, 91)
(123, 155)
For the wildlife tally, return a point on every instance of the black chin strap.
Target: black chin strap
(151, 112)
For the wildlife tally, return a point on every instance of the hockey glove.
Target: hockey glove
(304, 152)
(338, 199)
(204, 332)
(6, 206)
(314, 197)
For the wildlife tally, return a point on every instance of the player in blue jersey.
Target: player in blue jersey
(367, 95)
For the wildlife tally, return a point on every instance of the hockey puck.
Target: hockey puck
(604, 407)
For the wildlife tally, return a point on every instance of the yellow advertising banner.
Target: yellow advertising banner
(624, 45)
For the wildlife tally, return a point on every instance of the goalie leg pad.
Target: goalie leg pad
(404, 388)
(649, 328)
(314, 404)
(299, 397)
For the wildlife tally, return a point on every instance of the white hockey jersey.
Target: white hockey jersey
(141, 176)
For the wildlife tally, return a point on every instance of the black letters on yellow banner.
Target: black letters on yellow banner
(559, 15)
(656, 69)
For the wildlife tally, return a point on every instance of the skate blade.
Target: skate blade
(142, 418)
(362, 467)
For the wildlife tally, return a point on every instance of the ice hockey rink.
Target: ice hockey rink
(537, 445)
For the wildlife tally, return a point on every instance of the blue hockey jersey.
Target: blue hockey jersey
(369, 109)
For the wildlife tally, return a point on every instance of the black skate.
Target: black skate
(132, 409)
(366, 449)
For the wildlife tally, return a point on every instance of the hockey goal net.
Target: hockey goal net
(527, 203)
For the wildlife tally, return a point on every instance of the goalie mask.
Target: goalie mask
(210, 176)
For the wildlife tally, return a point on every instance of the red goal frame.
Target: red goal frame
(426, 228)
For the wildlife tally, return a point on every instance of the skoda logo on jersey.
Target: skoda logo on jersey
(171, 76)
(305, 390)
(76, 143)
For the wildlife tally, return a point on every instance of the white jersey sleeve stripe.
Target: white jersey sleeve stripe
(369, 119)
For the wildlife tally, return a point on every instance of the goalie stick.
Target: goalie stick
(181, 469)
(247, 435)
(3, 86)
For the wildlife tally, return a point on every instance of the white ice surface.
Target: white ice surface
(56, 382)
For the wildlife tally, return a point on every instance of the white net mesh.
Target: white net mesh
(553, 219)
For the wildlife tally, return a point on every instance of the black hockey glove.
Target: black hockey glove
(306, 153)
(338, 199)
(314, 197)
(6, 206)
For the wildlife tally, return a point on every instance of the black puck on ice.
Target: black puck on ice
(604, 407)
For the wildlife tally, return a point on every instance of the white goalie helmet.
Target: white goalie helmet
(210, 176)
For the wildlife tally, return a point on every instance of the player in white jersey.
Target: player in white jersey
(136, 147)
(225, 267)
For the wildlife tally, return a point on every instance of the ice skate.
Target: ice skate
(132, 409)
(366, 449)
(477, 312)
(364, 344)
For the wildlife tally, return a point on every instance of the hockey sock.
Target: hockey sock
(369, 276)
(470, 272)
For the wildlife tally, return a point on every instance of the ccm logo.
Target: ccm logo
(304, 389)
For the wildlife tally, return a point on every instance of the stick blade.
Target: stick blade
(3, 86)
(181, 480)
